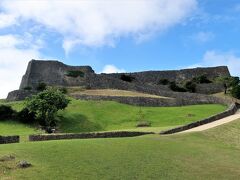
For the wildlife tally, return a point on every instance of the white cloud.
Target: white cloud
(13, 62)
(213, 58)
(203, 37)
(97, 23)
(112, 69)
(7, 20)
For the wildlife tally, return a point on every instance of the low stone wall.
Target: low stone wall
(46, 137)
(154, 102)
(210, 88)
(137, 101)
(19, 95)
(9, 139)
(230, 111)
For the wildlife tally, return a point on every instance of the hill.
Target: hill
(212, 154)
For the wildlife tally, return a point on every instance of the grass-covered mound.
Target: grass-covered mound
(213, 154)
(86, 116)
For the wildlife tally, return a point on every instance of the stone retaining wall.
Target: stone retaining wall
(19, 95)
(46, 137)
(9, 139)
(155, 102)
(230, 111)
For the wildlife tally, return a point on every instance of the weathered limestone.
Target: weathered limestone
(54, 73)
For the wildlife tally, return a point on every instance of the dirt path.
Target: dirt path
(215, 123)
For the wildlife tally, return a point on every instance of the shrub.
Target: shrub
(63, 90)
(190, 86)
(75, 74)
(6, 112)
(127, 78)
(41, 86)
(46, 105)
(27, 88)
(174, 87)
(26, 116)
(163, 82)
(143, 124)
(201, 79)
(235, 92)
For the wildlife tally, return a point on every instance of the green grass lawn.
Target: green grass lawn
(84, 116)
(212, 154)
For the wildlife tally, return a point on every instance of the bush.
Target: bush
(163, 82)
(41, 86)
(190, 86)
(6, 112)
(63, 90)
(75, 74)
(46, 105)
(174, 87)
(201, 79)
(26, 116)
(127, 78)
(27, 88)
(235, 92)
(143, 124)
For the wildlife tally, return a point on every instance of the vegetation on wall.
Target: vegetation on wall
(174, 87)
(201, 79)
(163, 82)
(127, 78)
(41, 86)
(190, 86)
(75, 74)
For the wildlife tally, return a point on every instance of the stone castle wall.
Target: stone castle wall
(52, 73)
(153, 77)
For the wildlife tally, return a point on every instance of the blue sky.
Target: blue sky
(118, 35)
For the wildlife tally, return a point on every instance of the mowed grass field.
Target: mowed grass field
(89, 116)
(212, 154)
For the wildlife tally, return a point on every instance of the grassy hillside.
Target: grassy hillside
(83, 116)
(213, 154)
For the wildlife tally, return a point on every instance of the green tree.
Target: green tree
(235, 92)
(190, 86)
(46, 104)
(228, 82)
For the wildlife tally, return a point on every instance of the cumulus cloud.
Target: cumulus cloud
(214, 58)
(112, 69)
(13, 61)
(97, 23)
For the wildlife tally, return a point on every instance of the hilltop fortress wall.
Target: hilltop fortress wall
(54, 73)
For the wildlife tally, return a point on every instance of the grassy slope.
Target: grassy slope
(213, 154)
(83, 116)
(111, 92)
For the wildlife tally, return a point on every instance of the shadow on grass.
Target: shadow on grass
(76, 123)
